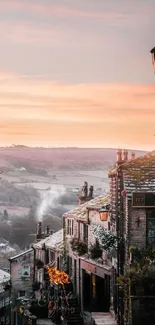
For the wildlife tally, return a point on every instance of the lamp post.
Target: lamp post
(153, 57)
(104, 212)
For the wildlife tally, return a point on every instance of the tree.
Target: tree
(6, 215)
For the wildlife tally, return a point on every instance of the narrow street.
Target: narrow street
(44, 322)
(103, 319)
(100, 319)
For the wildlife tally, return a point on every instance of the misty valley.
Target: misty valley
(40, 185)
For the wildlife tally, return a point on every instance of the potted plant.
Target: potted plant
(39, 264)
(79, 246)
(95, 250)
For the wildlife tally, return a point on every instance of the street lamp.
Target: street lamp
(153, 57)
(104, 212)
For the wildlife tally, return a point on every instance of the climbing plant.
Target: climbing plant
(141, 272)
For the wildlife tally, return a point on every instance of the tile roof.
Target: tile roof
(53, 241)
(4, 276)
(146, 162)
(138, 174)
(81, 211)
(21, 254)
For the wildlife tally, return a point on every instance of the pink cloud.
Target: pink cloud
(59, 10)
(29, 33)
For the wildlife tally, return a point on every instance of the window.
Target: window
(150, 225)
(94, 286)
(52, 256)
(39, 254)
(21, 294)
(70, 266)
(70, 227)
(79, 230)
(75, 275)
(40, 277)
(58, 263)
(85, 232)
(26, 271)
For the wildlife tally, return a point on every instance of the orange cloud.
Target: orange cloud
(64, 114)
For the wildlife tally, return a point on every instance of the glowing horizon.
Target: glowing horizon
(77, 74)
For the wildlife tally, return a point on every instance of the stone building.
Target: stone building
(22, 273)
(132, 216)
(90, 274)
(47, 251)
(22, 279)
(4, 297)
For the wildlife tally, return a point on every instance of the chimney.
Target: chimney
(85, 190)
(91, 190)
(133, 155)
(47, 230)
(85, 196)
(39, 229)
(119, 155)
(125, 154)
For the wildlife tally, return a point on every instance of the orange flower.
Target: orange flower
(59, 277)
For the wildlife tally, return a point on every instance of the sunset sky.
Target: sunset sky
(77, 73)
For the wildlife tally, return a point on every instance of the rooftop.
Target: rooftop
(53, 241)
(4, 276)
(21, 254)
(81, 211)
(138, 173)
(145, 162)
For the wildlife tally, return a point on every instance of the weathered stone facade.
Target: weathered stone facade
(129, 222)
(4, 297)
(22, 274)
(79, 223)
(137, 228)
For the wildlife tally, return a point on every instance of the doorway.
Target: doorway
(86, 291)
(102, 294)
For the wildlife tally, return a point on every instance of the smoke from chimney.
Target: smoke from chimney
(49, 199)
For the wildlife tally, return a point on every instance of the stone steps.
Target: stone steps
(103, 319)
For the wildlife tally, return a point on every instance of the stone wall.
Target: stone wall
(137, 228)
(19, 280)
(143, 310)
